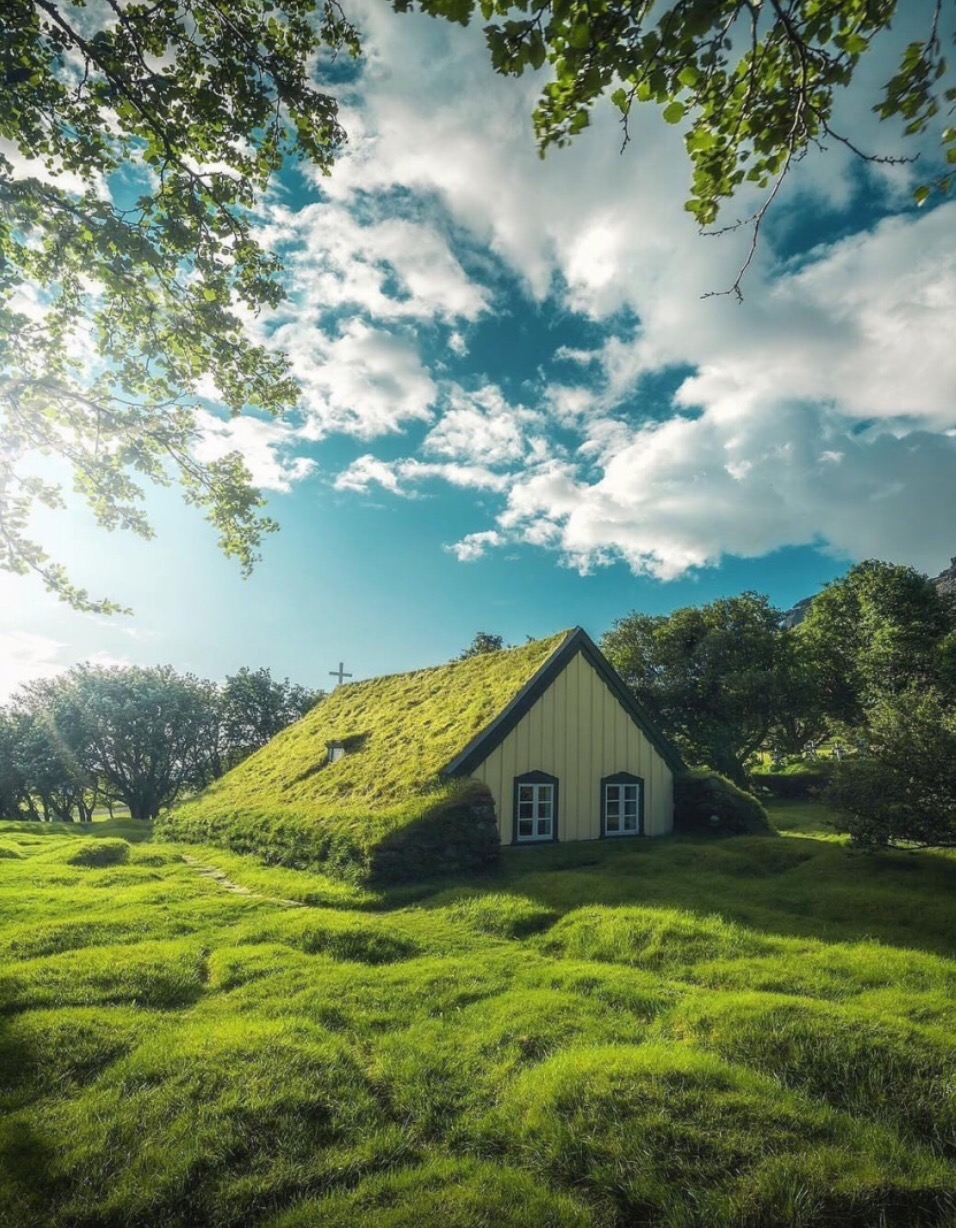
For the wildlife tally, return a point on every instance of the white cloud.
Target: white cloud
(401, 476)
(368, 471)
(390, 269)
(24, 657)
(687, 491)
(474, 545)
(482, 426)
(265, 445)
(364, 382)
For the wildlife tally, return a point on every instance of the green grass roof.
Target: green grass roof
(401, 730)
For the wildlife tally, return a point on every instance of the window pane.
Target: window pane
(630, 807)
(525, 827)
(544, 792)
(613, 792)
(613, 808)
(525, 793)
(525, 810)
(544, 810)
(630, 822)
(630, 793)
(613, 823)
(544, 827)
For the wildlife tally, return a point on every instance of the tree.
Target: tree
(903, 789)
(757, 82)
(140, 736)
(255, 707)
(482, 643)
(50, 751)
(145, 133)
(718, 677)
(14, 795)
(874, 633)
(146, 731)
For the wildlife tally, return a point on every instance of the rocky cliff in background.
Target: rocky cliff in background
(945, 582)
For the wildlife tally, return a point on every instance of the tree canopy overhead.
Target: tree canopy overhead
(757, 80)
(140, 137)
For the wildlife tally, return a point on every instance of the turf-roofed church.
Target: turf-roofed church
(572, 756)
(434, 770)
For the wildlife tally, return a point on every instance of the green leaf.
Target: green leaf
(674, 112)
(580, 35)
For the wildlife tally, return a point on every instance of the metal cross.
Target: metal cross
(340, 673)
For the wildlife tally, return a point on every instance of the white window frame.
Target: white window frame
(627, 804)
(543, 794)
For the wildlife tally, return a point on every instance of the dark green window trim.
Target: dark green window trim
(622, 778)
(535, 778)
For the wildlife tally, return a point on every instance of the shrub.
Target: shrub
(705, 802)
(98, 853)
(904, 791)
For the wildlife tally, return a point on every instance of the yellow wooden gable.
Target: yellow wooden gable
(574, 757)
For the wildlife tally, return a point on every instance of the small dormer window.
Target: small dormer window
(336, 751)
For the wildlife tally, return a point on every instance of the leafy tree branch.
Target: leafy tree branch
(756, 80)
(143, 136)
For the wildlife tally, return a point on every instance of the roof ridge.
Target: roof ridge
(427, 669)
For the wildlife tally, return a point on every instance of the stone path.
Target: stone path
(222, 880)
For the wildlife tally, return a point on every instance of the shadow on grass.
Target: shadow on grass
(25, 1155)
(134, 830)
(806, 887)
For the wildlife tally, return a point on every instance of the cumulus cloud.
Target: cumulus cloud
(474, 545)
(482, 426)
(265, 445)
(365, 381)
(817, 412)
(687, 491)
(390, 269)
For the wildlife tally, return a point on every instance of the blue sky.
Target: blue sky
(519, 414)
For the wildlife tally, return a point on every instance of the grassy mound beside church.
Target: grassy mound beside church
(383, 810)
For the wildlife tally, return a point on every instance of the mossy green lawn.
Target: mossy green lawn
(679, 1033)
(290, 805)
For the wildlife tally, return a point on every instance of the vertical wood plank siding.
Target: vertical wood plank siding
(578, 732)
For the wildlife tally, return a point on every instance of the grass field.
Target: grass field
(753, 1032)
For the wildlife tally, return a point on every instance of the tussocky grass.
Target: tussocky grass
(679, 1033)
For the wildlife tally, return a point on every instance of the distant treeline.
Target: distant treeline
(871, 668)
(132, 736)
